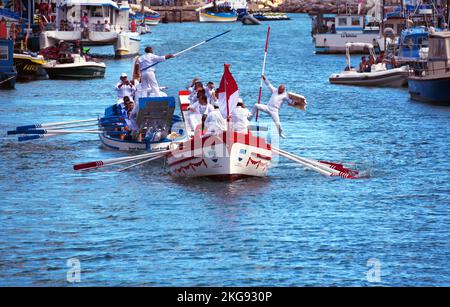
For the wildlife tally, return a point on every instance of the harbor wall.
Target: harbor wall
(182, 13)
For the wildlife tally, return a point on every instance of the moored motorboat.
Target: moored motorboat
(430, 79)
(379, 75)
(79, 68)
(29, 66)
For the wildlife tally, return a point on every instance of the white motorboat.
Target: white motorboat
(79, 68)
(108, 24)
(378, 76)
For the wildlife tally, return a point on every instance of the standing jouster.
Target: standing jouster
(279, 96)
(146, 65)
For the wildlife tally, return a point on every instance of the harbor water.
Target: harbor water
(293, 228)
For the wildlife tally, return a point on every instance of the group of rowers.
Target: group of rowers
(204, 110)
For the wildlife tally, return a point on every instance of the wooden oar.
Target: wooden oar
(305, 164)
(44, 131)
(313, 163)
(45, 125)
(74, 126)
(326, 168)
(102, 163)
(142, 162)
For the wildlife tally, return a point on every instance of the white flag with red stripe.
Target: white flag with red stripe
(228, 92)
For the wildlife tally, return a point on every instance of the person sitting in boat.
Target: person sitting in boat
(98, 26)
(380, 57)
(362, 64)
(146, 64)
(106, 26)
(211, 94)
(279, 96)
(199, 108)
(239, 118)
(121, 107)
(124, 88)
(131, 125)
(193, 96)
(64, 55)
(215, 124)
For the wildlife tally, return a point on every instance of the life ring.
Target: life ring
(73, 14)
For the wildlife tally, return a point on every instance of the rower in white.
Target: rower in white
(199, 109)
(239, 118)
(210, 91)
(215, 124)
(279, 96)
(124, 88)
(146, 64)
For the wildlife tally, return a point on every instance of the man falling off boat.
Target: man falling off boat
(146, 65)
(279, 96)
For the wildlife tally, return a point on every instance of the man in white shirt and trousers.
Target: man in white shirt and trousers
(147, 63)
(279, 96)
(124, 88)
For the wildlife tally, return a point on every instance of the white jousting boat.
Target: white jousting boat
(378, 76)
(225, 155)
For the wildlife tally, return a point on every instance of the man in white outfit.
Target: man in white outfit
(210, 91)
(146, 64)
(124, 88)
(239, 118)
(215, 124)
(279, 96)
(198, 110)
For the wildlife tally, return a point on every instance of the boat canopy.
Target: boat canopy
(348, 47)
(93, 3)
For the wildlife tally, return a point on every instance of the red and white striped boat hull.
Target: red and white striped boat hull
(229, 157)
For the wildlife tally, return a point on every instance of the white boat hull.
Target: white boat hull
(335, 43)
(228, 160)
(204, 17)
(128, 44)
(396, 77)
(117, 144)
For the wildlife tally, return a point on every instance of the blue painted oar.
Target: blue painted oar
(190, 48)
(45, 125)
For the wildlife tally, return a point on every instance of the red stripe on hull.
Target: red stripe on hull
(228, 138)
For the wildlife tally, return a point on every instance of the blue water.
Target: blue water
(293, 228)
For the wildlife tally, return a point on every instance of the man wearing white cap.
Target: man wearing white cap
(146, 64)
(124, 88)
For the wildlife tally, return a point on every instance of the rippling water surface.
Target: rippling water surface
(293, 228)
